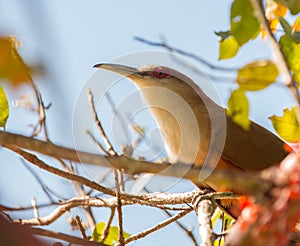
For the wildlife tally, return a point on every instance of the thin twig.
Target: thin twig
(108, 224)
(79, 189)
(101, 179)
(187, 54)
(35, 208)
(119, 207)
(99, 144)
(117, 114)
(39, 180)
(42, 111)
(61, 236)
(186, 230)
(107, 142)
(36, 161)
(7, 216)
(80, 226)
(12, 209)
(65, 207)
(157, 226)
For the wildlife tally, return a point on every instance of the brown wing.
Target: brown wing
(252, 150)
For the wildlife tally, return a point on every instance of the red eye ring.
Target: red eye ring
(160, 73)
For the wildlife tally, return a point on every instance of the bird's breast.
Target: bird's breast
(181, 125)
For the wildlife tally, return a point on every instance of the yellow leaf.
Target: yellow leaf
(4, 109)
(112, 237)
(228, 48)
(287, 126)
(257, 75)
(238, 109)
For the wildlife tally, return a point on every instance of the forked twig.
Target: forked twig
(107, 142)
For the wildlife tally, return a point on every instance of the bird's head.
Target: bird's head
(157, 76)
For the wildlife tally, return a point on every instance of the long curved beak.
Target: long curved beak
(117, 68)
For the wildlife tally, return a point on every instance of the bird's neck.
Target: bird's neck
(184, 121)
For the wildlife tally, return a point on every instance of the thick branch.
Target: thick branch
(204, 210)
(232, 180)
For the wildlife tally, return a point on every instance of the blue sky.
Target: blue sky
(69, 37)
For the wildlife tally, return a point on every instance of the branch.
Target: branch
(11, 209)
(180, 198)
(235, 181)
(188, 232)
(117, 175)
(281, 62)
(66, 206)
(80, 226)
(205, 207)
(78, 189)
(70, 176)
(108, 224)
(157, 227)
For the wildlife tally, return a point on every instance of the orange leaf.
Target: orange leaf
(273, 10)
(296, 26)
(12, 66)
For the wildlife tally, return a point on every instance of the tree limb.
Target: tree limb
(234, 181)
(281, 61)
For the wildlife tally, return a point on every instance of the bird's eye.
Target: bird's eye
(160, 73)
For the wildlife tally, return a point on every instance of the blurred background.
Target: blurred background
(67, 38)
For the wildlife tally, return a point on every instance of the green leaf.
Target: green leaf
(291, 51)
(295, 36)
(4, 109)
(293, 5)
(229, 47)
(243, 24)
(238, 109)
(112, 237)
(286, 26)
(257, 75)
(287, 126)
(223, 34)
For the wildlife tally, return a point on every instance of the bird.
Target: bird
(196, 129)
